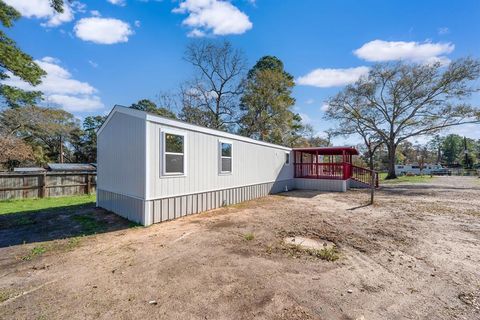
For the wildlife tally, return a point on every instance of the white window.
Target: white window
(287, 158)
(225, 160)
(173, 153)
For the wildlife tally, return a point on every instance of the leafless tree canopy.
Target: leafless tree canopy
(211, 98)
(398, 101)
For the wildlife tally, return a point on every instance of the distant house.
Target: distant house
(29, 169)
(71, 167)
(59, 167)
(152, 169)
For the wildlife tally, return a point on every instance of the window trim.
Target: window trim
(163, 133)
(289, 158)
(220, 157)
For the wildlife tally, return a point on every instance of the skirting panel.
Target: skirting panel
(174, 207)
(130, 208)
(321, 184)
(357, 184)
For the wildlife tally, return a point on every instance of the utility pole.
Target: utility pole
(465, 150)
(61, 149)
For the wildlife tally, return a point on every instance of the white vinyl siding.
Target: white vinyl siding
(122, 156)
(252, 163)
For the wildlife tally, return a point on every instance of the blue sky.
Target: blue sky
(105, 52)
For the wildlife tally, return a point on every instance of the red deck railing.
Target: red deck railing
(335, 171)
(364, 175)
(320, 171)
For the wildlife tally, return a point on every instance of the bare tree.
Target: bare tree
(399, 101)
(211, 98)
(168, 100)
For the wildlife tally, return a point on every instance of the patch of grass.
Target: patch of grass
(89, 224)
(405, 178)
(28, 205)
(72, 243)
(248, 236)
(4, 295)
(327, 254)
(63, 245)
(35, 252)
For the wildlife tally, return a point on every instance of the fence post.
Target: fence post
(42, 185)
(88, 185)
(24, 190)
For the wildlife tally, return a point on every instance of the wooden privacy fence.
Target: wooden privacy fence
(48, 184)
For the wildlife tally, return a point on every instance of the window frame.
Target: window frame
(288, 156)
(221, 157)
(163, 140)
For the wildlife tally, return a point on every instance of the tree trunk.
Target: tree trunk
(370, 160)
(372, 188)
(372, 180)
(391, 161)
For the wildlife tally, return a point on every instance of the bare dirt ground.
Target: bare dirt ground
(413, 255)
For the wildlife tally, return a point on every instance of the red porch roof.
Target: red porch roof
(322, 151)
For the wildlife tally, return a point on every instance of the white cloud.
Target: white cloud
(324, 107)
(41, 9)
(79, 6)
(305, 118)
(426, 52)
(103, 30)
(137, 23)
(32, 8)
(76, 104)
(215, 16)
(196, 33)
(309, 101)
(93, 63)
(60, 18)
(118, 2)
(60, 88)
(443, 30)
(325, 78)
(95, 13)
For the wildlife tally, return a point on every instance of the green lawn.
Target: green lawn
(23, 205)
(400, 179)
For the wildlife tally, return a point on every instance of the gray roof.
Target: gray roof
(28, 169)
(71, 167)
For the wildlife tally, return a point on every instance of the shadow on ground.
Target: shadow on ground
(307, 194)
(58, 223)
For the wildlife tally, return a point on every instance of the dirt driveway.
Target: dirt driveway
(414, 255)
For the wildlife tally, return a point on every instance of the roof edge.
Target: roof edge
(184, 125)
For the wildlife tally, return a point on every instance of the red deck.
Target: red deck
(329, 163)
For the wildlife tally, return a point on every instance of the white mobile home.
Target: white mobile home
(151, 169)
(402, 169)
